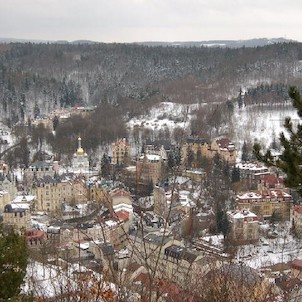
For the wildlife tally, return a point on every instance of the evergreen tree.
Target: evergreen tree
(36, 110)
(190, 157)
(222, 222)
(13, 263)
(105, 162)
(290, 161)
(244, 155)
(240, 99)
(174, 158)
(235, 174)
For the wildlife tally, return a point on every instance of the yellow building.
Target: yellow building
(52, 192)
(120, 152)
(266, 203)
(4, 199)
(222, 147)
(17, 216)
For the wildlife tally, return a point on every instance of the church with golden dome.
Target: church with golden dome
(80, 162)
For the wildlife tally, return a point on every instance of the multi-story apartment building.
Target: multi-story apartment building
(269, 181)
(244, 227)
(17, 216)
(40, 169)
(199, 146)
(224, 148)
(158, 147)
(120, 152)
(51, 192)
(266, 203)
(174, 261)
(252, 172)
(149, 168)
(8, 184)
(178, 262)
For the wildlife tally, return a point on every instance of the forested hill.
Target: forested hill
(35, 78)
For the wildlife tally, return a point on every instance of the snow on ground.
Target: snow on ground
(6, 138)
(47, 280)
(250, 124)
(254, 125)
(271, 251)
(166, 114)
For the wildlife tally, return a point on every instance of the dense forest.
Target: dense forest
(126, 80)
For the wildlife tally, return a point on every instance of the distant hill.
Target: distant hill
(14, 40)
(209, 43)
(36, 78)
(221, 43)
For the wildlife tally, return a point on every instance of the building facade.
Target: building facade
(120, 152)
(266, 203)
(244, 227)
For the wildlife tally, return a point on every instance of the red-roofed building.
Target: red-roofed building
(296, 271)
(122, 215)
(296, 218)
(266, 202)
(35, 238)
(225, 149)
(270, 181)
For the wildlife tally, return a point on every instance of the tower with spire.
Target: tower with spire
(80, 163)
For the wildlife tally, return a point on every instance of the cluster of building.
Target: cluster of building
(97, 221)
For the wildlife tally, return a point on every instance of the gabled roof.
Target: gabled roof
(122, 215)
(272, 179)
(297, 264)
(41, 164)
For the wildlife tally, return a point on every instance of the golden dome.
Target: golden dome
(80, 150)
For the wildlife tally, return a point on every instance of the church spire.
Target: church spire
(80, 150)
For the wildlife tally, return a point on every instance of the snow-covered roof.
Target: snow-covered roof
(123, 207)
(251, 166)
(275, 193)
(242, 214)
(24, 198)
(84, 245)
(152, 157)
(24, 206)
(111, 223)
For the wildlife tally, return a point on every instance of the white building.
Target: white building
(244, 226)
(80, 162)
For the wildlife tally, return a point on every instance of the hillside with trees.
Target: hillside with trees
(126, 81)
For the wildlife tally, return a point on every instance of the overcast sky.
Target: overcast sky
(150, 20)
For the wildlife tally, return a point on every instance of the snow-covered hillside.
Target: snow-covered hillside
(166, 114)
(250, 124)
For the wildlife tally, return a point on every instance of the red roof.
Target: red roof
(272, 179)
(34, 234)
(223, 142)
(122, 215)
(297, 264)
(298, 209)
